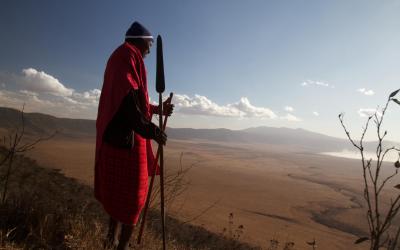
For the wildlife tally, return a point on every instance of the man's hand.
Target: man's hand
(168, 107)
(160, 136)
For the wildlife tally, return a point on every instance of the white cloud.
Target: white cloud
(31, 100)
(366, 92)
(315, 113)
(41, 92)
(289, 109)
(368, 112)
(70, 100)
(87, 97)
(249, 110)
(201, 105)
(316, 83)
(28, 93)
(92, 94)
(290, 118)
(39, 81)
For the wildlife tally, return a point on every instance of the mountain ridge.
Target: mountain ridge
(44, 124)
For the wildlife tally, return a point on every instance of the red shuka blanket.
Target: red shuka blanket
(121, 174)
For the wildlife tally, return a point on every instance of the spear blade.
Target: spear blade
(160, 79)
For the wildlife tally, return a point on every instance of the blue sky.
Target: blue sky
(232, 64)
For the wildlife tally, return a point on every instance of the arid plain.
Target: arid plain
(275, 192)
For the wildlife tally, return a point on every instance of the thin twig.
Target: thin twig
(202, 212)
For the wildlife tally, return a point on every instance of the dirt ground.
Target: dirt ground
(275, 193)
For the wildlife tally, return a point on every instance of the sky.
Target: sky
(231, 64)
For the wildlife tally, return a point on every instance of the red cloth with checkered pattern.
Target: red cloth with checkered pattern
(121, 175)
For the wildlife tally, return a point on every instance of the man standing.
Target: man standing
(124, 131)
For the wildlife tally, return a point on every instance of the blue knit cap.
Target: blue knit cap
(137, 30)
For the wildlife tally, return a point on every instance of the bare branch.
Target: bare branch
(391, 212)
(369, 170)
(23, 125)
(364, 132)
(29, 146)
(202, 212)
(5, 158)
(386, 180)
(15, 139)
(347, 132)
(389, 150)
(373, 186)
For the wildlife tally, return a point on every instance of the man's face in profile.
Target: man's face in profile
(148, 43)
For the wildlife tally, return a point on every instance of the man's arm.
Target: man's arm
(129, 118)
(137, 120)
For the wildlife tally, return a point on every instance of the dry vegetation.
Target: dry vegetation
(383, 231)
(273, 202)
(46, 210)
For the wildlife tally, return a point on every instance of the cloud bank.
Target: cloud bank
(201, 105)
(42, 92)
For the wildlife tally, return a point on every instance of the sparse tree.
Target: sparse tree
(175, 184)
(380, 219)
(12, 145)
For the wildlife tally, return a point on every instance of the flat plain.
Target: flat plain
(274, 192)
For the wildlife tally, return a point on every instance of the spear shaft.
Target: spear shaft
(149, 192)
(162, 175)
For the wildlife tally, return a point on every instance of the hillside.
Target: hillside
(303, 140)
(46, 210)
(43, 124)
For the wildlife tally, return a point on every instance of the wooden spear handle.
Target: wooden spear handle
(162, 187)
(154, 168)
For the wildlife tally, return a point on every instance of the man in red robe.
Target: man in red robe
(124, 155)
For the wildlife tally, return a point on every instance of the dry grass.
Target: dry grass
(272, 192)
(46, 210)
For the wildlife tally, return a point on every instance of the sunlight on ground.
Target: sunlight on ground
(390, 157)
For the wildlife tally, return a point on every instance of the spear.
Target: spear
(154, 168)
(160, 87)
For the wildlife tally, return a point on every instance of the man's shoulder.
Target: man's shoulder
(125, 51)
(122, 49)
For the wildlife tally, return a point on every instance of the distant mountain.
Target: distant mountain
(37, 123)
(299, 138)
